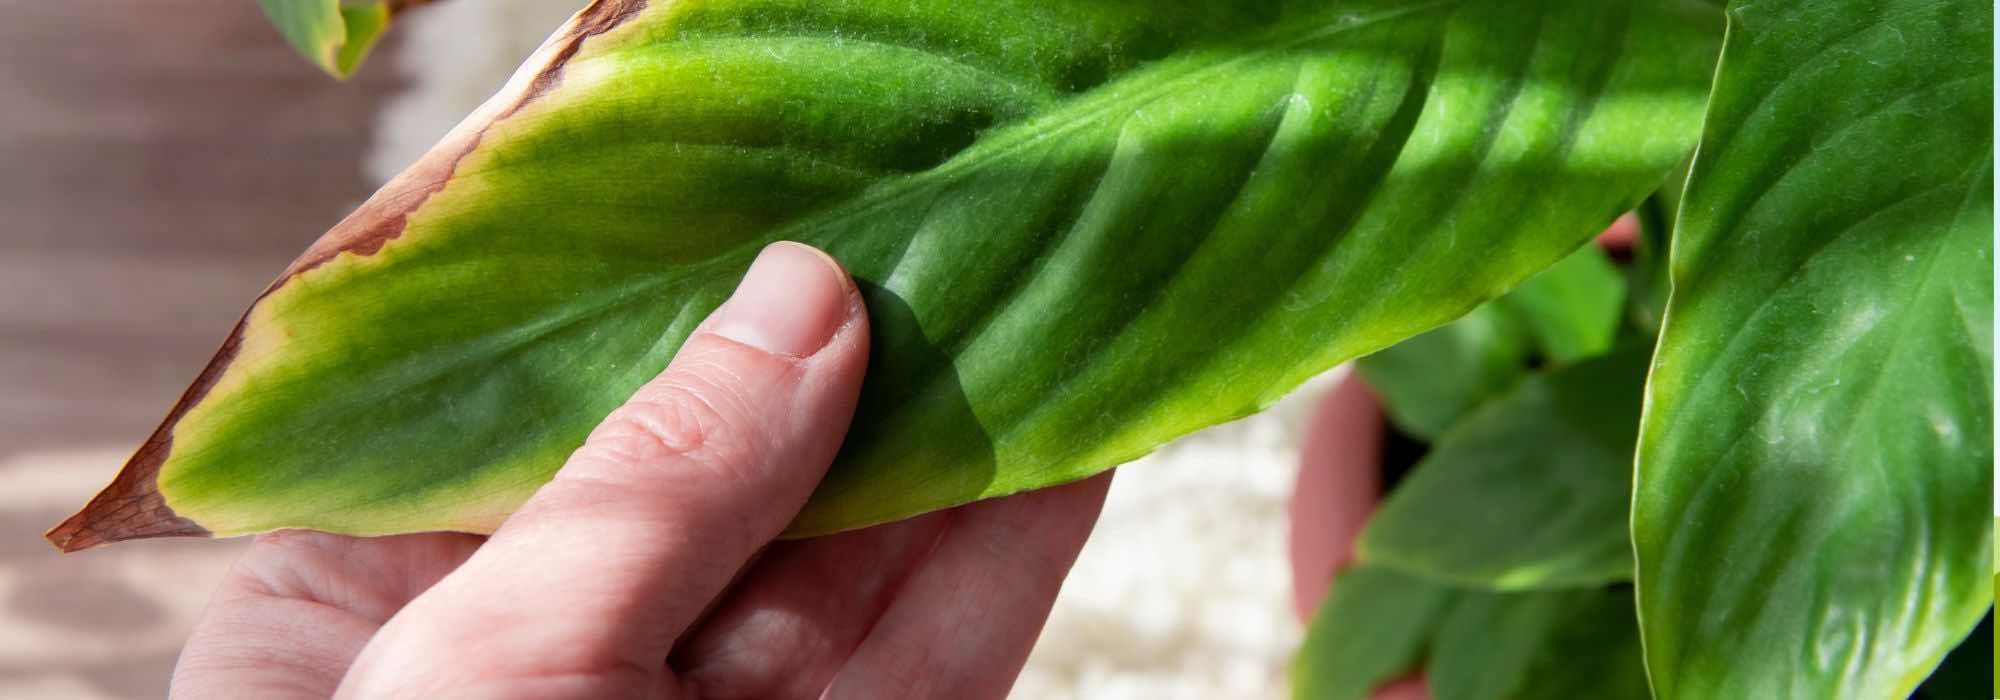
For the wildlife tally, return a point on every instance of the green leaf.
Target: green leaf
(1567, 312)
(1531, 491)
(1573, 308)
(1595, 653)
(1378, 625)
(1815, 462)
(1539, 645)
(1375, 626)
(1427, 383)
(334, 34)
(1082, 230)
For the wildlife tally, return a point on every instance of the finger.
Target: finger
(291, 615)
(666, 500)
(964, 622)
(1338, 486)
(801, 610)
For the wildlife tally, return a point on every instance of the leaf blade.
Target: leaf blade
(1529, 492)
(1042, 234)
(1377, 625)
(333, 34)
(1817, 187)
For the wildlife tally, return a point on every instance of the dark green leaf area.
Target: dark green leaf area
(1379, 625)
(1530, 491)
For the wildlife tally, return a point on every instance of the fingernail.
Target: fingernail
(790, 303)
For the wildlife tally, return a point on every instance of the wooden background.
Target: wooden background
(160, 160)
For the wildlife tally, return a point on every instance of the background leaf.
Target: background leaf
(1429, 382)
(1565, 313)
(1816, 465)
(1573, 308)
(1529, 492)
(1646, 276)
(334, 34)
(1595, 652)
(1378, 625)
(1375, 626)
(1082, 229)
(1538, 646)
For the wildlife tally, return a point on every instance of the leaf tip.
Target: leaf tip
(130, 508)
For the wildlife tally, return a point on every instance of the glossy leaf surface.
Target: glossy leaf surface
(1815, 463)
(1531, 491)
(1081, 228)
(334, 34)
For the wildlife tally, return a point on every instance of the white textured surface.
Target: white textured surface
(1182, 591)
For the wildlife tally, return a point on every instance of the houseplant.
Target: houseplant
(1086, 228)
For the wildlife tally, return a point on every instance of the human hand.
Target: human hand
(646, 567)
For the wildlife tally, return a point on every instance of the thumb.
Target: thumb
(609, 563)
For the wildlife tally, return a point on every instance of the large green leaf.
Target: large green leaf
(1378, 624)
(1082, 229)
(1815, 463)
(1532, 491)
(334, 34)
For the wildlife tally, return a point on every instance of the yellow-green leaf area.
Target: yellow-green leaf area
(1081, 229)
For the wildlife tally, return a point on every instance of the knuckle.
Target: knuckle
(684, 418)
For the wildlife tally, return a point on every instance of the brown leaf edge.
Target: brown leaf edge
(131, 507)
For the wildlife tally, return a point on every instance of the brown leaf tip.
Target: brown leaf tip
(130, 508)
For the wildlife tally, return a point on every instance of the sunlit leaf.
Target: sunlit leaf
(1081, 228)
(1815, 464)
(1531, 491)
